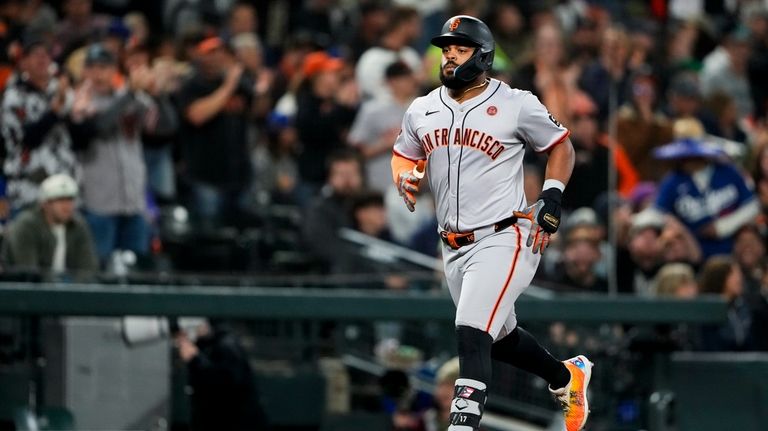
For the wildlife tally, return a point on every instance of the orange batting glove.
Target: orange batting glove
(538, 237)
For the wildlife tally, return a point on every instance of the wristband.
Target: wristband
(552, 183)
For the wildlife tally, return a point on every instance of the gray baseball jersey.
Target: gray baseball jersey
(474, 153)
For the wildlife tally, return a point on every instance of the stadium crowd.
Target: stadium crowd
(119, 116)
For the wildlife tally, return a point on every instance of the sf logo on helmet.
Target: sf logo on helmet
(454, 24)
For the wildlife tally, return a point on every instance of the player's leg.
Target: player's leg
(474, 354)
(470, 391)
(485, 299)
(520, 349)
(568, 380)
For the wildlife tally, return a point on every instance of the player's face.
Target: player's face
(453, 57)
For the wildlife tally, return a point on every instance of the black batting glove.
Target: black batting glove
(544, 216)
(548, 216)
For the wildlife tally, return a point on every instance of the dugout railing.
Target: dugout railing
(630, 338)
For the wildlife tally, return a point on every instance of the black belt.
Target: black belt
(457, 240)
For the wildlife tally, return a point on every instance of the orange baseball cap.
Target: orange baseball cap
(209, 44)
(320, 62)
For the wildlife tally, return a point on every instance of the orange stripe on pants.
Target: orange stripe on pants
(506, 283)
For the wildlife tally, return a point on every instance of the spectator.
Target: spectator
(404, 404)
(369, 215)
(331, 211)
(508, 26)
(548, 74)
(608, 73)
(403, 29)
(590, 171)
(639, 263)
(34, 126)
(107, 122)
(158, 141)
(710, 197)
(78, 25)
(437, 418)
(678, 244)
(676, 280)
(224, 394)
(749, 254)
(326, 106)
(641, 126)
(591, 168)
(684, 102)
(249, 52)
(642, 196)
(377, 124)
(760, 177)
(372, 22)
(51, 236)
(11, 28)
(138, 28)
(242, 19)
(757, 69)
(275, 163)
(581, 255)
(722, 276)
(215, 105)
(724, 108)
(725, 70)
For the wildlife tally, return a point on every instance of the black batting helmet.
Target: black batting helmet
(469, 31)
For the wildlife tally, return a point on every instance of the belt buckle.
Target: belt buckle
(450, 238)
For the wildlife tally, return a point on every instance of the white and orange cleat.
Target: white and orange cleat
(573, 397)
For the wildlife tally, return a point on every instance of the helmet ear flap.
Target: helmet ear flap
(485, 60)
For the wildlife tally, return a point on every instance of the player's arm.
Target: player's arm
(407, 175)
(545, 213)
(560, 164)
(547, 135)
(408, 162)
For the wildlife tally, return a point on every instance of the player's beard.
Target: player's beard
(451, 81)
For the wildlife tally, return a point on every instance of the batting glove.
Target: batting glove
(544, 216)
(408, 184)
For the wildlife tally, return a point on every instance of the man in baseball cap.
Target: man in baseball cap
(51, 236)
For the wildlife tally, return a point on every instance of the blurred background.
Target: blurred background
(200, 232)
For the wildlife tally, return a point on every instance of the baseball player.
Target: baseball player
(471, 133)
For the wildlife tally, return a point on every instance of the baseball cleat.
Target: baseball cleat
(573, 397)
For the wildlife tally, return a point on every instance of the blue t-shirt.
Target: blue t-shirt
(726, 192)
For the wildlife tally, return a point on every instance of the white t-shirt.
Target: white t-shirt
(374, 62)
(59, 264)
(375, 118)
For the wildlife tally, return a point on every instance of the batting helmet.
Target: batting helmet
(470, 31)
